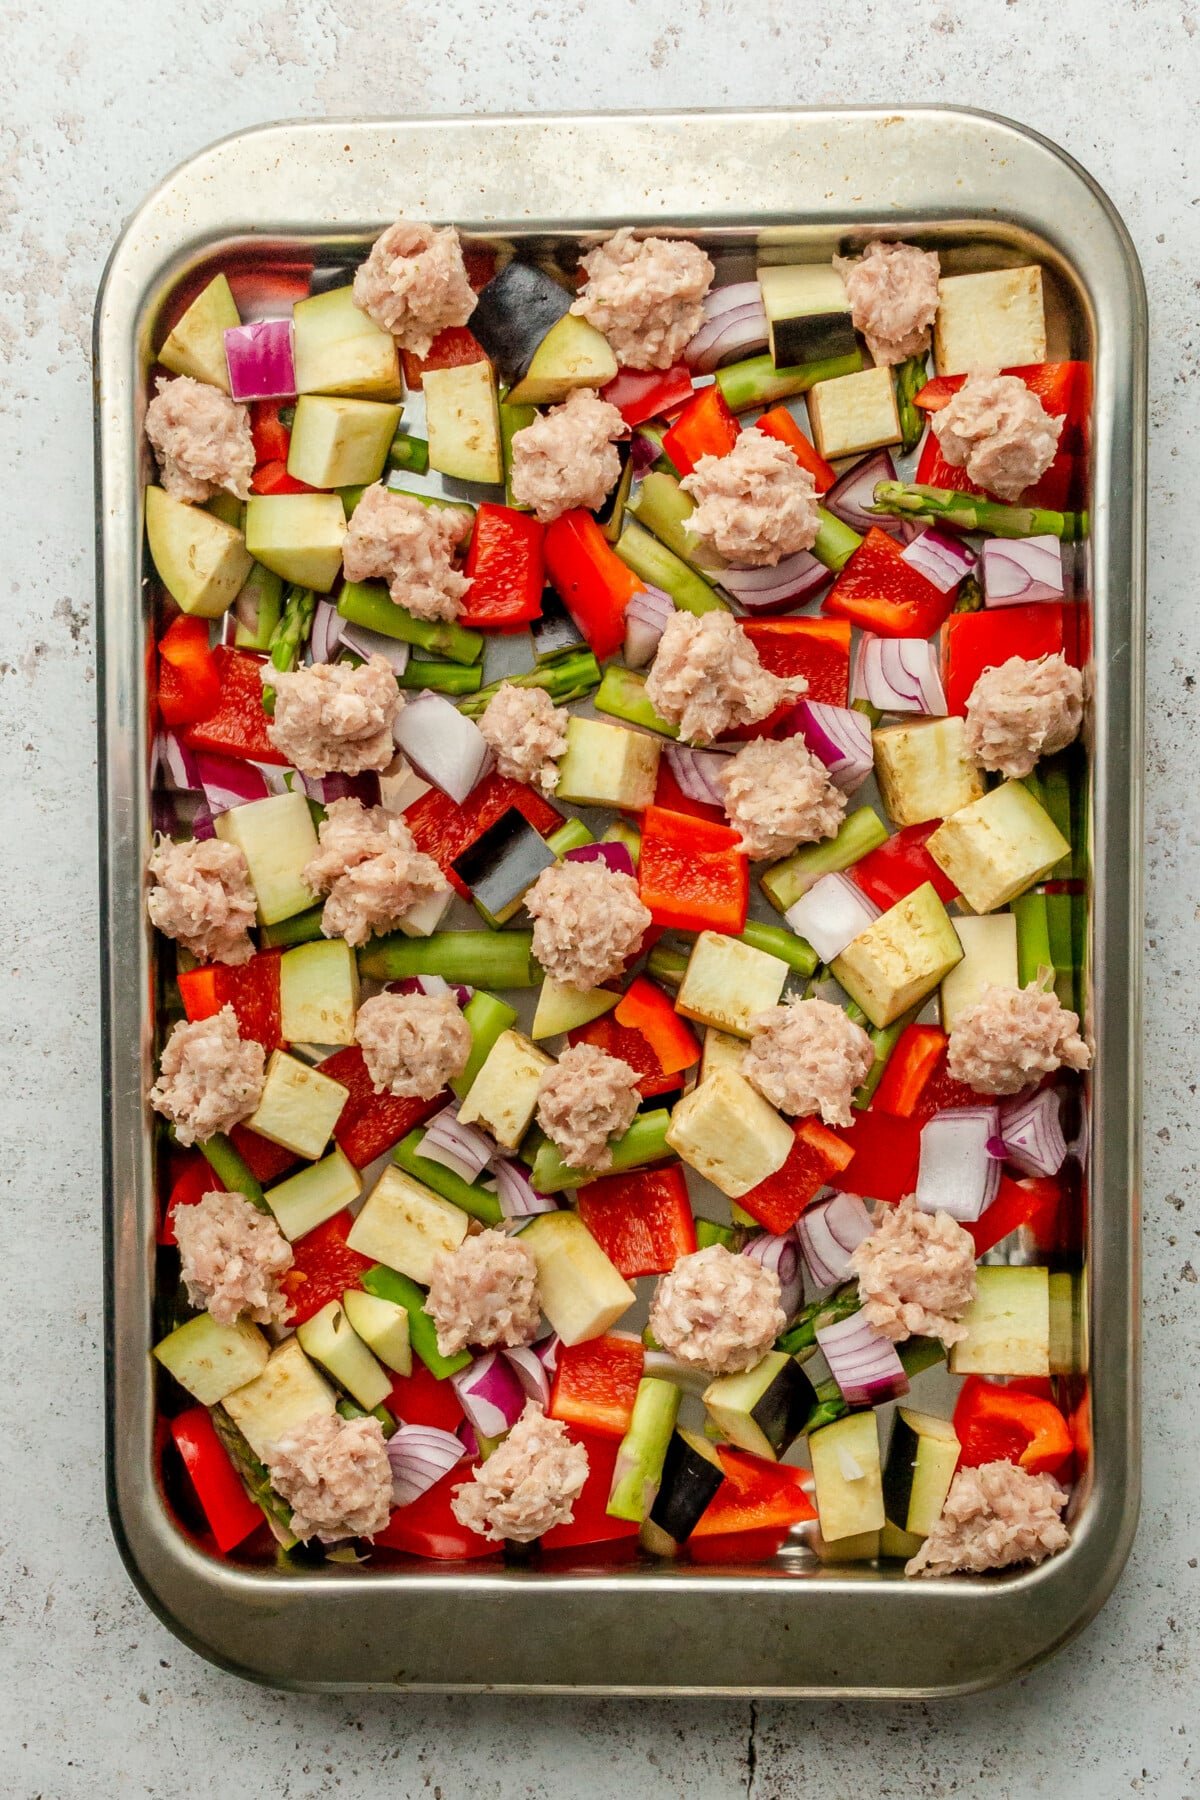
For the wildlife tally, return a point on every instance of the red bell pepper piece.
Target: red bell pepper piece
(620, 1040)
(902, 865)
(323, 1267)
(251, 988)
(691, 874)
(273, 478)
(642, 1221)
(641, 394)
(590, 1522)
(917, 1054)
(816, 1157)
(590, 579)
(450, 349)
(1006, 1424)
(973, 642)
(878, 591)
(427, 1526)
(370, 1123)
(231, 1513)
(189, 687)
(755, 1496)
(444, 830)
(779, 423)
(266, 1161)
(190, 1187)
(705, 427)
(424, 1399)
(238, 726)
(645, 1008)
(886, 1153)
(272, 438)
(1062, 487)
(941, 1093)
(818, 649)
(1035, 1201)
(596, 1383)
(506, 568)
(669, 795)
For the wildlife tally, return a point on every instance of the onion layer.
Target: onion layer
(490, 1394)
(862, 1361)
(420, 1455)
(1015, 570)
(839, 736)
(831, 914)
(829, 1231)
(941, 559)
(958, 1173)
(443, 745)
(1032, 1134)
(260, 361)
(898, 675)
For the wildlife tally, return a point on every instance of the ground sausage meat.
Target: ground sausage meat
(706, 677)
(209, 1079)
(231, 1258)
(995, 1515)
(1023, 710)
(999, 432)
(916, 1273)
(588, 920)
(413, 1044)
(333, 718)
(371, 870)
(414, 284)
(646, 295)
(778, 794)
(585, 1098)
(528, 734)
(807, 1056)
(567, 457)
(755, 504)
(203, 898)
(893, 294)
(484, 1292)
(394, 538)
(1011, 1037)
(527, 1485)
(335, 1475)
(201, 439)
(717, 1311)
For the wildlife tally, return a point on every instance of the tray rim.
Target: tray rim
(207, 1603)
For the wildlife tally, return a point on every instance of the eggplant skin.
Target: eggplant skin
(513, 314)
(812, 337)
(689, 1481)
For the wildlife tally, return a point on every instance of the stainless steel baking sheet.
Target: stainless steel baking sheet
(983, 191)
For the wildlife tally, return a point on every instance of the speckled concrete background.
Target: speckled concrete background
(95, 104)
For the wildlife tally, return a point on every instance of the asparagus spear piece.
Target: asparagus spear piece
(971, 512)
(291, 634)
(910, 377)
(442, 677)
(571, 677)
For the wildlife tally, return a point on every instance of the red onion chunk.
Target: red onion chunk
(326, 789)
(898, 675)
(1014, 570)
(326, 635)
(943, 560)
(546, 1350)
(644, 452)
(862, 1361)
(430, 984)
(852, 496)
(490, 1394)
(957, 1173)
(202, 826)
(790, 582)
(839, 736)
(515, 1194)
(174, 764)
(696, 772)
(616, 856)
(646, 619)
(444, 746)
(828, 1233)
(735, 321)
(832, 913)
(1031, 1132)
(366, 644)
(463, 1148)
(782, 1254)
(259, 357)
(531, 1372)
(228, 782)
(420, 1455)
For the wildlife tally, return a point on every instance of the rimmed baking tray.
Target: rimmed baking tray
(983, 190)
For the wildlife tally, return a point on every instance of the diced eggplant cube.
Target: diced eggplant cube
(463, 422)
(582, 1293)
(196, 345)
(726, 983)
(332, 1342)
(278, 839)
(808, 314)
(1008, 1324)
(201, 560)
(998, 846)
(513, 314)
(691, 1475)
(555, 632)
(727, 1132)
(406, 1226)
(721, 1051)
(501, 865)
(921, 1460)
(854, 413)
(763, 1409)
(289, 1391)
(989, 960)
(849, 1485)
(339, 350)
(318, 993)
(306, 1199)
(992, 320)
(299, 1106)
(899, 960)
(211, 1360)
(503, 1095)
(923, 769)
(572, 354)
(605, 765)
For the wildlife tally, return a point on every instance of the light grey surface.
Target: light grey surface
(93, 107)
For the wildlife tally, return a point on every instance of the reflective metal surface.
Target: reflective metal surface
(980, 189)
